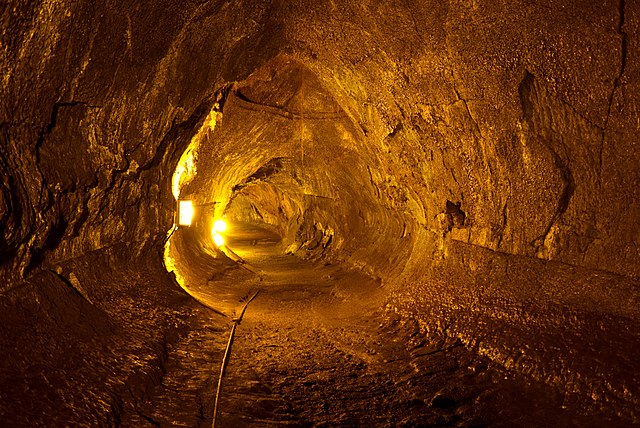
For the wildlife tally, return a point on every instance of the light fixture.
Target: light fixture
(218, 240)
(219, 226)
(185, 212)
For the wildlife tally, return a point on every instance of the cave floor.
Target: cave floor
(316, 347)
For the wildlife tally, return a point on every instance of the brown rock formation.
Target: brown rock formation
(481, 158)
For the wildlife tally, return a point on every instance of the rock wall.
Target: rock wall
(98, 103)
(447, 134)
(513, 110)
(523, 114)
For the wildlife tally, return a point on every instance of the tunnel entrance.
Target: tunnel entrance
(281, 158)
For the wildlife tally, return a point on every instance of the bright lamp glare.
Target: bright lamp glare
(185, 212)
(218, 240)
(219, 226)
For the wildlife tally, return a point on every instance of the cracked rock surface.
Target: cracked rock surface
(479, 160)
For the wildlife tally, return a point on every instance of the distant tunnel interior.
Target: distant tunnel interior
(432, 210)
(278, 151)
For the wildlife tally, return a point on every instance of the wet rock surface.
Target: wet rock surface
(551, 322)
(185, 394)
(320, 377)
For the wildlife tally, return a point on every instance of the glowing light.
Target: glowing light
(185, 212)
(218, 240)
(219, 226)
(186, 169)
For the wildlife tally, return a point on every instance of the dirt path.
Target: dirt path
(315, 349)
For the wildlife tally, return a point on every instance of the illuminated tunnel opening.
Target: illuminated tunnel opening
(292, 176)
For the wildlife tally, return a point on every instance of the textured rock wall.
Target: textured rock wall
(516, 111)
(98, 102)
(524, 114)
(88, 343)
(458, 132)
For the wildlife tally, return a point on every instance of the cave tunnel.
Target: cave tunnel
(432, 213)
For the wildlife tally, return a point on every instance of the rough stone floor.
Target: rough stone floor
(316, 348)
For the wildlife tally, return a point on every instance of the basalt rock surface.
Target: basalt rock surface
(481, 159)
